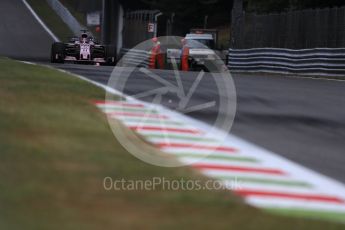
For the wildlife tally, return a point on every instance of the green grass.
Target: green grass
(54, 22)
(336, 216)
(71, 5)
(51, 19)
(56, 148)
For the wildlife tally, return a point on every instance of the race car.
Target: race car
(83, 49)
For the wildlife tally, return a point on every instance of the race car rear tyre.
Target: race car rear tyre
(58, 52)
(110, 55)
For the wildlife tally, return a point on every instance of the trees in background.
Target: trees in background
(214, 6)
(192, 13)
(268, 6)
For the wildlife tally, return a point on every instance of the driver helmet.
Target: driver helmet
(83, 37)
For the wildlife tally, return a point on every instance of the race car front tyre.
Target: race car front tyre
(110, 55)
(57, 53)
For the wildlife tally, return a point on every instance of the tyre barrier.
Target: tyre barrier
(318, 61)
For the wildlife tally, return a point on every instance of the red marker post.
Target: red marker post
(156, 57)
(185, 56)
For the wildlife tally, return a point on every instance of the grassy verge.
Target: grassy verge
(71, 5)
(51, 19)
(55, 23)
(56, 149)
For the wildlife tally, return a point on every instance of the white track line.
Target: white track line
(218, 162)
(45, 27)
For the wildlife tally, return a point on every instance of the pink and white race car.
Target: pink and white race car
(83, 49)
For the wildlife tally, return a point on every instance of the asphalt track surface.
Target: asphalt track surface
(21, 36)
(301, 119)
